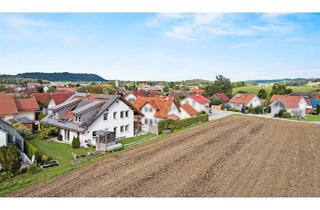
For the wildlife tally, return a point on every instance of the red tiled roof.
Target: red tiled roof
(43, 98)
(222, 96)
(138, 94)
(27, 104)
(173, 117)
(66, 89)
(288, 101)
(161, 105)
(197, 91)
(7, 104)
(200, 98)
(59, 98)
(189, 109)
(242, 98)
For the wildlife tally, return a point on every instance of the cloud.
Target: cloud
(23, 27)
(208, 25)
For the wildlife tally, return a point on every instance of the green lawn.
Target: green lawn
(58, 151)
(309, 118)
(255, 89)
(137, 138)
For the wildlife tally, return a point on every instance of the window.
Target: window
(121, 114)
(94, 134)
(78, 118)
(150, 121)
(114, 115)
(105, 116)
(150, 109)
(145, 121)
(121, 128)
(146, 109)
(127, 113)
(127, 128)
(115, 129)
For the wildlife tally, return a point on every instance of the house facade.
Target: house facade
(16, 109)
(197, 102)
(85, 115)
(295, 105)
(155, 109)
(9, 135)
(132, 97)
(241, 100)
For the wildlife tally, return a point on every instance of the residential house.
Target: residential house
(18, 109)
(47, 101)
(154, 90)
(295, 105)
(155, 109)
(187, 111)
(9, 135)
(179, 94)
(132, 96)
(86, 115)
(222, 97)
(241, 100)
(66, 89)
(198, 102)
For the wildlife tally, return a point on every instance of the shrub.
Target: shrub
(10, 159)
(286, 115)
(48, 130)
(32, 169)
(40, 116)
(215, 101)
(44, 158)
(30, 150)
(318, 109)
(170, 124)
(280, 114)
(23, 130)
(258, 110)
(75, 142)
(5, 175)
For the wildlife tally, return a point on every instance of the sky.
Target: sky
(172, 47)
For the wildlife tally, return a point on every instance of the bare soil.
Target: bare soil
(236, 156)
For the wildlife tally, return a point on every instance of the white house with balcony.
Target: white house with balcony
(85, 115)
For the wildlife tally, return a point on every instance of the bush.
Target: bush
(258, 110)
(40, 116)
(10, 159)
(32, 169)
(22, 130)
(5, 175)
(215, 101)
(76, 142)
(171, 125)
(286, 115)
(317, 109)
(280, 114)
(30, 150)
(48, 130)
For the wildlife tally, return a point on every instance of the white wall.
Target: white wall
(29, 115)
(254, 102)
(148, 111)
(110, 123)
(196, 105)
(131, 98)
(51, 105)
(3, 138)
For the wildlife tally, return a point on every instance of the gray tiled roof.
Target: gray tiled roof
(66, 103)
(87, 107)
(63, 124)
(6, 127)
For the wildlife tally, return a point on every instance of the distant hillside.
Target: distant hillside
(13, 79)
(280, 80)
(63, 76)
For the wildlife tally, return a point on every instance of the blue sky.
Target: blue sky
(163, 46)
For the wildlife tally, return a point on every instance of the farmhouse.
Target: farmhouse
(86, 115)
(155, 109)
(198, 102)
(132, 97)
(49, 100)
(18, 109)
(295, 105)
(241, 100)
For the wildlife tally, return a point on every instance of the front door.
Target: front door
(66, 135)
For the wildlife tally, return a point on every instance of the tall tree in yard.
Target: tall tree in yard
(10, 158)
(221, 84)
(280, 89)
(263, 94)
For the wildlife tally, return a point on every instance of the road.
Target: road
(234, 156)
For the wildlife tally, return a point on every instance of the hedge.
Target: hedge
(30, 150)
(171, 124)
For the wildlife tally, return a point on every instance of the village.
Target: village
(41, 122)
